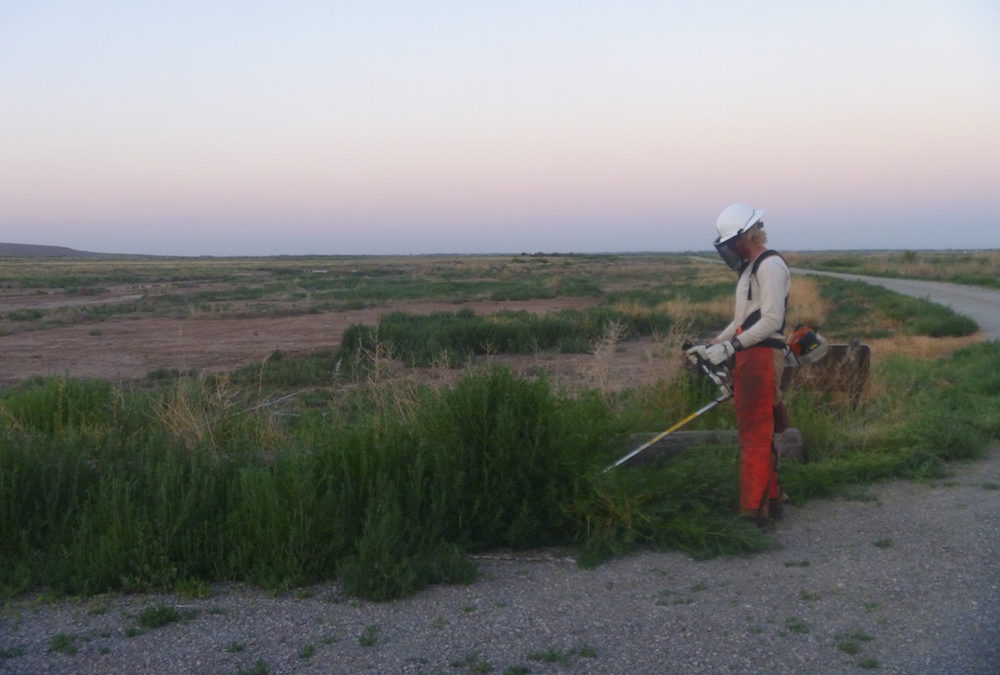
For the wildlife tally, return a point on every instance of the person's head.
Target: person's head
(741, 230)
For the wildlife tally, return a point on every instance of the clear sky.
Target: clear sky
(225, 127)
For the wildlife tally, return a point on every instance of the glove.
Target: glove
(719, 352)
(697, 354)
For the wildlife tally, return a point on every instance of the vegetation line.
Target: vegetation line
(389, 488)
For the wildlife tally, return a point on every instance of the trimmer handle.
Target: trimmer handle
(718, 374)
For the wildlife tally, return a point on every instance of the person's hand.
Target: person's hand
(697, 354)
(719, 352)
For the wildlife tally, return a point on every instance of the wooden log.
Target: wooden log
(788, 443)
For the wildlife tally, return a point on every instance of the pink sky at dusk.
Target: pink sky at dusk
(378, 127)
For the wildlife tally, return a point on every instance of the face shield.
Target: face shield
(728, 254)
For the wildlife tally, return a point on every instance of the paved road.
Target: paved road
(982, 305)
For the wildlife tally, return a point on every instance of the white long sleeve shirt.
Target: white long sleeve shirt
(769, 289)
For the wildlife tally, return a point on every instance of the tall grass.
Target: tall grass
(928, 413)
(454, 337)
(389, 489)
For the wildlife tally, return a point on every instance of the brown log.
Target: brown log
(788, 443)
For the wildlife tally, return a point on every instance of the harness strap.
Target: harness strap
(754, 317)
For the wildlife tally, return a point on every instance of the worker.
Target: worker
(755, 344)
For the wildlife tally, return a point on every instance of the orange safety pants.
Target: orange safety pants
(759, 413)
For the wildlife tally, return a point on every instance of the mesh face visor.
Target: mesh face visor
(731, 257)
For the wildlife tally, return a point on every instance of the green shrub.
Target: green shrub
(156, 616)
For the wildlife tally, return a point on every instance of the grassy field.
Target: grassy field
(975, 268)
(352, 463)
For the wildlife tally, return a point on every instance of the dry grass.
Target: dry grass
(604, 348)
(188, 412)
(199, 410)
(941, 265)
(805, 305)
(919, 346)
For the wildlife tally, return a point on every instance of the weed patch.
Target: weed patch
(797, 626)
(550, 656)
(259, 667)
(473, 663)
(63, 643)
(12, 652)
(369, 636)
(158, 615)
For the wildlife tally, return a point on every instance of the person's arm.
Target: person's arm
(728, 333)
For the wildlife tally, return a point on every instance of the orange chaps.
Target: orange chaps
(759, 414)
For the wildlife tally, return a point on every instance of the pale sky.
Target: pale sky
(308, 127)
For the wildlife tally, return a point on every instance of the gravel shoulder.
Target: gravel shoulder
(899, 577)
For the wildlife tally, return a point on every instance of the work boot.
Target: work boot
(775, 509)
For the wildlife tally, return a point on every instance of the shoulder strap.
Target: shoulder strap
(756, 265)
(755, 315)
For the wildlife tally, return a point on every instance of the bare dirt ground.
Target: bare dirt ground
(128, 348)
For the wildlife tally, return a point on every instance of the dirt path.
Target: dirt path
(901, 578)
(130, 348)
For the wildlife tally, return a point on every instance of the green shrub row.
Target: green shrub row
(453, 337)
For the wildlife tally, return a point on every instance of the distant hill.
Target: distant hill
(37, 251)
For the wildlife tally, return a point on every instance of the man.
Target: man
(755, 342)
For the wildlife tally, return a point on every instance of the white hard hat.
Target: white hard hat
(735, 220)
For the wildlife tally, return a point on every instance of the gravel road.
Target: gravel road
(898, 577)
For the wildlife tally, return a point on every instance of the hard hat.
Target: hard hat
(735, 220)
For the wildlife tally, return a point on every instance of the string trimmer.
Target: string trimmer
(718, 374)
